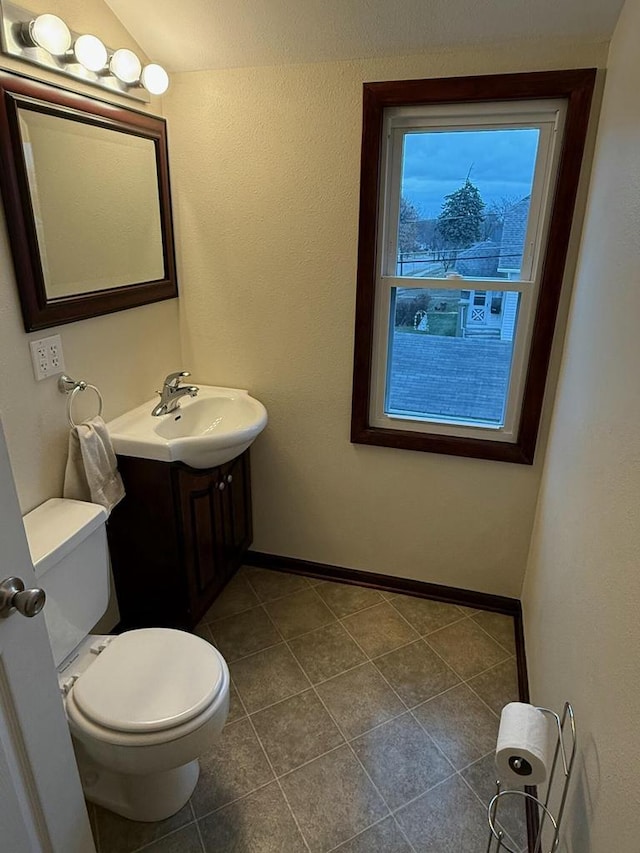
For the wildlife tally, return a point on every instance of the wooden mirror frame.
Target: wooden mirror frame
(39, 311)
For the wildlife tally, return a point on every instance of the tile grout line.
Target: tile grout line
(248, 793)
(159, 837)
(367, 659)
(234, 800)
(208, 626)
(279, 784)
(266, 754)
(366, 772)
(358, 834)
(466, 682)
(340, 619)
(271, 704)
(473, 611)
(199, 833)
(489, 668)
(261, 603)
(315, 758)
(462, 680)
(461, 618)
(200, 838)
(315, 588)
(434, 741)
(459, 674)
(166, 835)
(410, 802)
(322, 680)
(402, 702)
(472, 618)
(410, 710)
(349, 746)
(495, 639)
(486, 805)
(403, 713)
(406, 710)
(478, 696)
(242, 657)
(370, 660)
(475, 761)
(362, 663)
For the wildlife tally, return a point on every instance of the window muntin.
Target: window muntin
(473, 127)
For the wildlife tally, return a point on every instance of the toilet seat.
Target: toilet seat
(148, 686)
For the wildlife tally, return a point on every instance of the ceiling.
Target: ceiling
(199, 34)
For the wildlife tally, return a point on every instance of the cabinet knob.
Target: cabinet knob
(229, 478)
(221, 486)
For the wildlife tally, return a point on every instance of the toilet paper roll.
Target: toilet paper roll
(523, 750)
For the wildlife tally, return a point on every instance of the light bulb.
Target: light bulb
(51, 33)
(125, 65)
(155, 79)
(90, 52)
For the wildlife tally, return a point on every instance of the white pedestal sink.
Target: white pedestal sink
(204, 431)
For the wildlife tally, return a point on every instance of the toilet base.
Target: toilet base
(148, 798)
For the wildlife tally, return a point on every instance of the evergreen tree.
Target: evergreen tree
(461, 218)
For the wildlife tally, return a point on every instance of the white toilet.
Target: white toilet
(141, 706)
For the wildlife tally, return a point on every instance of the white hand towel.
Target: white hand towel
(92, 472)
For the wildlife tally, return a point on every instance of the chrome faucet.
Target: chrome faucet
(171, 393)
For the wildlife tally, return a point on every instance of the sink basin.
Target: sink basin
(214, 427)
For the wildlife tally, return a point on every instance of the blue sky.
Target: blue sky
(437, 163)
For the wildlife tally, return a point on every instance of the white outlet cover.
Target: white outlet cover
(47, 357)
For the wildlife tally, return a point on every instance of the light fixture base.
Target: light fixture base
(13, 44)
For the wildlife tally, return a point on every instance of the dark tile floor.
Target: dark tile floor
(360, 722)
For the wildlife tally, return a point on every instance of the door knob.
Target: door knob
(29, 602)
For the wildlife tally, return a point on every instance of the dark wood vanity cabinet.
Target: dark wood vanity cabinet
(176, 538)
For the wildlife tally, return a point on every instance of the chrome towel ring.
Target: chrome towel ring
(70, 387)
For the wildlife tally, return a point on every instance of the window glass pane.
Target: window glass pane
(464, 205)
(450, 354)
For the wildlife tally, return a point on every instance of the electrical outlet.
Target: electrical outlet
(47, 357)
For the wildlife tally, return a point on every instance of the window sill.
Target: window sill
(497, 451)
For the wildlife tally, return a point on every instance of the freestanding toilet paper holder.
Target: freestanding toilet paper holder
(539, 811)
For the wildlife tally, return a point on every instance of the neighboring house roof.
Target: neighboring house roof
(449, 376)
(513, 235)
(479, 260)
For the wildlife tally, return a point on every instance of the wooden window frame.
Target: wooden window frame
(575, 87)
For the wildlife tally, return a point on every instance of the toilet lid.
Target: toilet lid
(148, 680)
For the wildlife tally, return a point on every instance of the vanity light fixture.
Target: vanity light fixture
(126, 66)
(89, 51)
(155, 79)
(47, 41)
(48, 32)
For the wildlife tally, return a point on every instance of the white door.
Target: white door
(479, 307)
(42, 809)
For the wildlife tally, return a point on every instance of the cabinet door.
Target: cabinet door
(237, 506)
(203, 523)
(147, 552)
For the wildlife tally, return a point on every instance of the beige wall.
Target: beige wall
(126, 354)
(265, 166)
(582, 590)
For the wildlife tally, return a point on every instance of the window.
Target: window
(467, 193)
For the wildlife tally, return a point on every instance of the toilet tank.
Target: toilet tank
(68, 544)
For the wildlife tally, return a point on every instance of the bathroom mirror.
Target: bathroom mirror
(85, 186)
